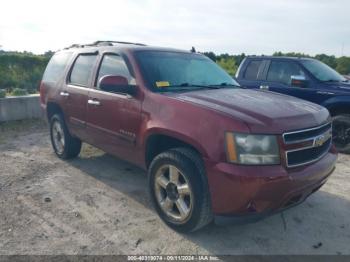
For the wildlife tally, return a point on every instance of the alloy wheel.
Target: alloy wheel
(58, 137)
(341, 133)
(173, 193)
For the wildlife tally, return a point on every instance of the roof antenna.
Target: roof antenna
(193, 50)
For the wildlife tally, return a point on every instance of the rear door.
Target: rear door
(113, 119)
(252, 73)
(76, 92)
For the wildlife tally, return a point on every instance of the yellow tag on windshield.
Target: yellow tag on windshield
(162, 83)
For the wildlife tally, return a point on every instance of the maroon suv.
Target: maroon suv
(211, 148)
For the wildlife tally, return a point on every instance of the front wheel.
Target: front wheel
(179, 190)
(64, 145)
(341, 133)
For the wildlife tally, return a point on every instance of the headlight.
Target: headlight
(249, 149)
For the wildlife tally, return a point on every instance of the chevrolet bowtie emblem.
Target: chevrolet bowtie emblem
(321, 139)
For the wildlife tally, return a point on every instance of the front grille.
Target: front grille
(304, 135)
(304, 156)
(319, 138)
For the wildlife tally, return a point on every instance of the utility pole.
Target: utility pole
(342, 50)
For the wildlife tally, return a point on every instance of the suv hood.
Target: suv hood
(263, 112)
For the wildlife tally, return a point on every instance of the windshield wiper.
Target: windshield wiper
(225, 84)
(187, 87)
(194, 87)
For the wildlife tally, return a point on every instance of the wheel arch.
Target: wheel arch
(159, 141)
(53, 108)
(338, 105)
(339, 109)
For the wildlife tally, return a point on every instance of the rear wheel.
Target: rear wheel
(341, 133)
(64, 145)
(179, 190)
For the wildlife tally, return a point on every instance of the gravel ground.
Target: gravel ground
(98, 204)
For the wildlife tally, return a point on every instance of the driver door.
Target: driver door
(278, 79)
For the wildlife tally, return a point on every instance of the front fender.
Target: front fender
(177, 135)
(337, 101)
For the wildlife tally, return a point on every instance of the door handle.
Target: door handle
(66, 94)
(264, 87)
(94, 102)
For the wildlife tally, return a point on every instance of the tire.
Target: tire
(341, 133)
(64, 145)
(169, 195)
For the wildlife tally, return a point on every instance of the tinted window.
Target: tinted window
(113, 64)
(56, 67)
(82, 70)
(252, 70)
(281, 71)
(166, 71)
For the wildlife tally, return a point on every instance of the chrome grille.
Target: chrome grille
(318, 140)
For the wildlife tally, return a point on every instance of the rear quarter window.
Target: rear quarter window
(252, 70)
(56, 67)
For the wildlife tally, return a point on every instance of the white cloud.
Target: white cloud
(233, 26)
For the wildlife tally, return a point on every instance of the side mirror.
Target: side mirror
(116, 84)
(298, 81)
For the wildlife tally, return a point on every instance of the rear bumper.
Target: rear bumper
(250, 192)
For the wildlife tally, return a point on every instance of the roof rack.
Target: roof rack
(103, 43)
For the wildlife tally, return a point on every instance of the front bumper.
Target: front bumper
(255, 191)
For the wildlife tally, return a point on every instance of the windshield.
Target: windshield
(322, 71)
(171, 71)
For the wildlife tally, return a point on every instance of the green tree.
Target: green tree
(229, 64)
(291, 54)
(22, 70)
(343, 65)
(239, 58)
(211, 55)
(329, 60)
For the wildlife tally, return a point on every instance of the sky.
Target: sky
(221, 26)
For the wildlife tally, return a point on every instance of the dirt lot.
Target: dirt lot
(97, 204)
